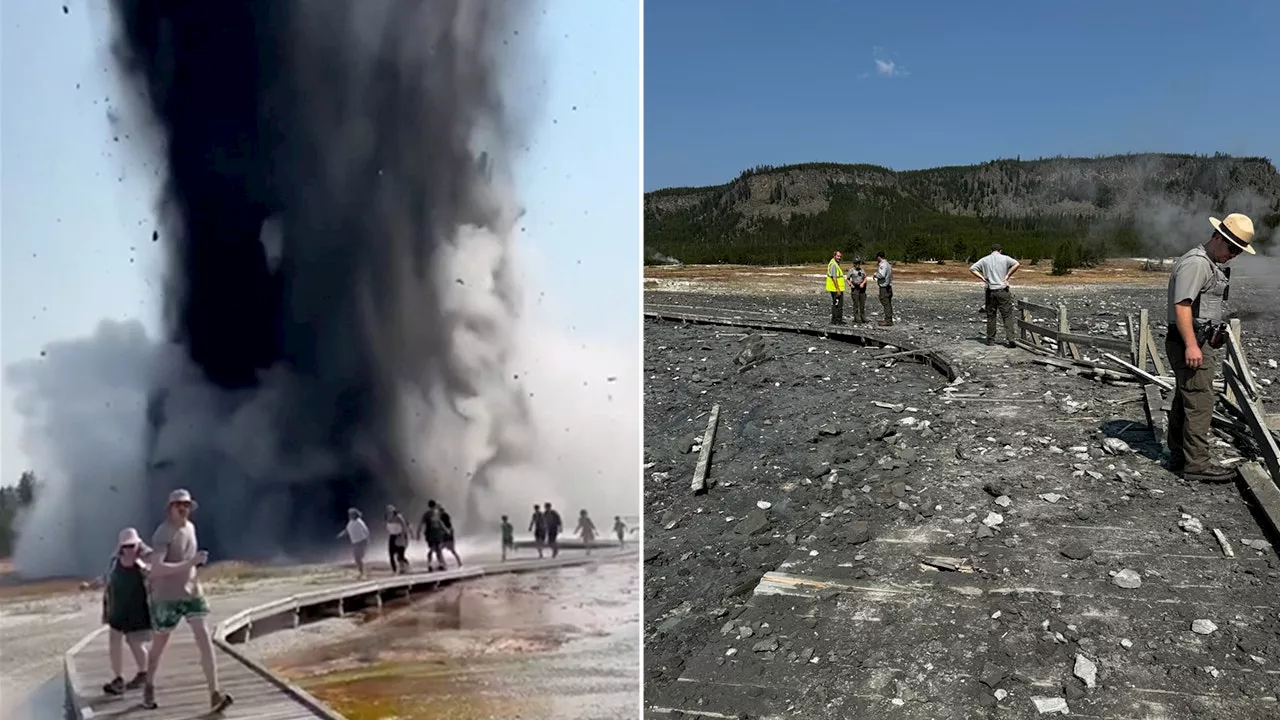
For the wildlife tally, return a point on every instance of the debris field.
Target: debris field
(878, 541)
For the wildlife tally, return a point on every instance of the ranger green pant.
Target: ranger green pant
(886, 302)
(837, 307)
(1192, 412)
(1000, 301)
(859, 298)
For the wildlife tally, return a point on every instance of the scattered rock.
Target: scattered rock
(764, 504)
(857, 532)
(1127, 579)
(766, 645)
(1203, 627)
(1050, 497)
(993, 519)
(1086, 670)
(1126, 643)
(1045, 705)
(1076, 551)
(1004, 501)
(754, 523)
(1191, 525)
(1116, 446)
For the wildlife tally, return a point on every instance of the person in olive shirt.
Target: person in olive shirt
(1197, 306)
(176, 595)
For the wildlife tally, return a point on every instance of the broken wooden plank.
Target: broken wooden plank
(1156, 359)
(1144, 339)
(1153, 406)
(1139, 371)
(1266, 495)
(1030, 306)
(1255, 418)
(1223, 543)
(699, 484)
(1064, 326)
(1076, 339)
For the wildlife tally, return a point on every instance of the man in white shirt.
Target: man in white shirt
(884, 279)
(994, 271)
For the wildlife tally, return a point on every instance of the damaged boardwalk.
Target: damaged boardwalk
(882, 538)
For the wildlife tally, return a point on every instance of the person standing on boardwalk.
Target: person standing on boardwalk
(620, 529)
(508, 538)
(538, 524)
(856, 279)
(1197, 313)
(125, 611)
(994, 271)
(176, 595)
(586, 529)
(449, 537)
(835, 286)
(433, 530)
(358, 534)
(397, 540)
(884, 279)
(554, 526)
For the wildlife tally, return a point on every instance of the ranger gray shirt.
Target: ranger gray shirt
(884, 273)
(1195, 276)
(994, 268)
(174, 545)
(854, 277)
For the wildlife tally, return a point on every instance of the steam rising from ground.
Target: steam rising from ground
(343, 327)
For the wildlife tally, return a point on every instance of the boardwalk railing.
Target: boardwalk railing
(294, 610)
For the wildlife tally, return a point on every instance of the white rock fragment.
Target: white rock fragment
(1050, 497)
(731, 652)
(993, 519)
(1004, 501)
(764, 504)
(1046, 705)
(1190, 525)
(1086, 670)
(1127, 579)
(1203, 627)
(1001, 694)
(1126, 643)
(1116, 446)
(1271, 364)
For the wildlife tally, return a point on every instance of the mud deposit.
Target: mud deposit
(562, 644)
(953, 552)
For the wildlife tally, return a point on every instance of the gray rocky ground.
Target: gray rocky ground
(952, 552)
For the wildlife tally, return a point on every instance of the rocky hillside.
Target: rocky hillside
(1082, 207)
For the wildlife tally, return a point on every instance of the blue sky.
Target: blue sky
(734, 83)
(75, 229)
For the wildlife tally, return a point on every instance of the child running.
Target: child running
(358, 533)
(508, 538)
(619, 529)
(126, 612)
(586, 529)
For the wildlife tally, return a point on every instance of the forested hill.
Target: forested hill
(1077, 209)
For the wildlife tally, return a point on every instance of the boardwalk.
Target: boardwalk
(180, 688)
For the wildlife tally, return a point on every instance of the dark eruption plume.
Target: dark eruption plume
(321, 158)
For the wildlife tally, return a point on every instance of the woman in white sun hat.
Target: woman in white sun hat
(125, 610)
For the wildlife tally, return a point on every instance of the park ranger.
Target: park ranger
(856, 280)
(835, 286)
(1197, 314)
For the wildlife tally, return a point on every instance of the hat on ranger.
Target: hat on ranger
(1237, 228)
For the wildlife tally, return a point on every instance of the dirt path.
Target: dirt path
(799, 586)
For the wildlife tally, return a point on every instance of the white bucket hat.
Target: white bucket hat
(1237, 228)
(128, 536)
(182, 495)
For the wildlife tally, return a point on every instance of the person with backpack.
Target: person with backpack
(126, 611)
(397, 540)
(433, 530)
(358, 534)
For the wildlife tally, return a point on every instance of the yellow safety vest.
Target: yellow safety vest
(835, 284)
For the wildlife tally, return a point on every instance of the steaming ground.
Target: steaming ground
(344, 322)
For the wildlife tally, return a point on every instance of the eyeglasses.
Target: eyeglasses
(129, 548)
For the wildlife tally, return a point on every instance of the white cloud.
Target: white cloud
(886, 67)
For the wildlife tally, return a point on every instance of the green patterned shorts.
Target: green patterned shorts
(166, 614)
